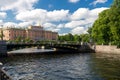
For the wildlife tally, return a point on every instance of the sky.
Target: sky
(62, 16)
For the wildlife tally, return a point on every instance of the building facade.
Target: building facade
(34, 33)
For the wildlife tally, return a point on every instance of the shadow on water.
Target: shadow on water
(32, 56)
(54, 66)
(107, 65)
(63, 66)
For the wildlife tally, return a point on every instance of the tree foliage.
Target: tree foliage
(106, 28)
(75, 38)
(1, 35)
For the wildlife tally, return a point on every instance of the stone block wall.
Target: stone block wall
(107, 49)
(3, 48)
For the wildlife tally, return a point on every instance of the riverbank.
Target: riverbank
(107, 49)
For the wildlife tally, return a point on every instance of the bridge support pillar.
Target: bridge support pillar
(3, 49)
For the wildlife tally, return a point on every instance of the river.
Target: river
(73, 66)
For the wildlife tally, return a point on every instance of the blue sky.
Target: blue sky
(62, 16)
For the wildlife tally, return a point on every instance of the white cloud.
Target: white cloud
(53, 27)
(58, 15)
(3, 15)
(78, 30)
(95, 12)
(1, 22)
(83, 17)
(55, 30)
(63, 34)
(17, 5)
(74, 24)
(17, 25)
(49, 25)
(33, 15)
(99, 1)
(60, 25)
(81, 13)
(25, 24)
(74, 1)
(43, 15)
(57, 20)
(10, 24)
(84, 13)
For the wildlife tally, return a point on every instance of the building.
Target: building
(34, 33)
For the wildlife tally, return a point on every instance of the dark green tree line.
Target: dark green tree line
(106, 29)
(75, 38)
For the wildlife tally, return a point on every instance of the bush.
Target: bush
(118, 45)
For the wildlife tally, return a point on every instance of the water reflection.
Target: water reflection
(50, 67)
(83, 66)
(107, 65)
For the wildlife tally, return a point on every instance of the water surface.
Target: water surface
(76, 66)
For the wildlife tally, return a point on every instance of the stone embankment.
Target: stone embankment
(107, 49)
(3, 48)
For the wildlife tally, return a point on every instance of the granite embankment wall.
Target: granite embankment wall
(3, 48)
(107, 49)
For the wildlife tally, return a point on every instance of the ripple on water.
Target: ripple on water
(52, 67)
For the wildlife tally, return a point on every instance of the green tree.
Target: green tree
(28, 40)
(61, 38)
(77, 38)
(74, 38)
(1, 35)
(67, 37)
(107, 27)
(70, 37)
(101, 29)
(18, 39)
(85, 37)
(89, 30)
(114, 17)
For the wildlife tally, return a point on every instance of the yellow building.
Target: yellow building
(34, 33)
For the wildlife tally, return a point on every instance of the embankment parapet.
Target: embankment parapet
(107, 49)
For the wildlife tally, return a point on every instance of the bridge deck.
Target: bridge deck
(58, 47)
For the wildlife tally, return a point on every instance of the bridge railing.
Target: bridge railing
(48, 42)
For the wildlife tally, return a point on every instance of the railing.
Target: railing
(3, 74)
(48, 42)
(14, 46)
